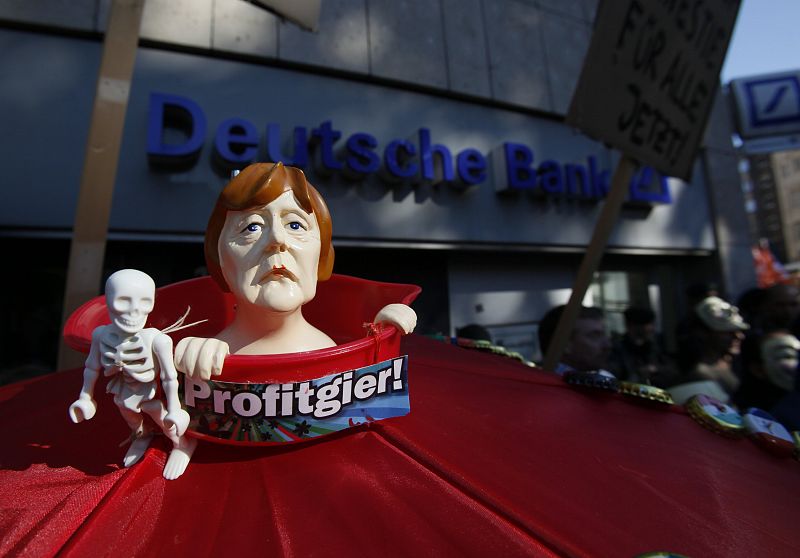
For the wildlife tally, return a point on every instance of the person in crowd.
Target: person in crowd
(699, 291)
(695, 294)
(708, 351)
(588, 346)
(751, 307)
(787, 410)
(475, 332)
(637, 356)
(771, 363)
(780, 309)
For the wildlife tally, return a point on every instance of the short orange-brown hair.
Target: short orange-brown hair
(256, 186)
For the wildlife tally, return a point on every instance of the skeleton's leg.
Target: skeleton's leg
(155, 409)
(179, 458)
(141, 436)
(183, 446)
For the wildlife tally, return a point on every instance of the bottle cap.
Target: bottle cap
(645, 391)
(661, 554)
(594, 379)
(768, 432)
(716, 415)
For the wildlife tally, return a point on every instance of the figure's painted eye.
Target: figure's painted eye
(296, 226)
(253, 227)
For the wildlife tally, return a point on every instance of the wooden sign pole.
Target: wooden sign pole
(100, 163)
(591, 260)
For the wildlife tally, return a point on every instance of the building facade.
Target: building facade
(434, 130)
(776, 192)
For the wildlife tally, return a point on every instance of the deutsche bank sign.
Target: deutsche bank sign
(768, 105)
(177, 130)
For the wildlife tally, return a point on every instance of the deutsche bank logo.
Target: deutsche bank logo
(773, 101)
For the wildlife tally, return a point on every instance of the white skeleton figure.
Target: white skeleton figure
(124, 350)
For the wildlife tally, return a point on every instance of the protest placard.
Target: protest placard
(649, 79)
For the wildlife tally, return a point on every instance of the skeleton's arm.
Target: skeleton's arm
(176, 417)
(85, 407)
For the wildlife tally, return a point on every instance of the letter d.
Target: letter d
(172, 111)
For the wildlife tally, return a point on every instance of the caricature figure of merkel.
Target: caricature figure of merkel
(268, 242)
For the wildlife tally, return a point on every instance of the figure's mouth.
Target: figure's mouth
(128, 322)
(278, 272)
(129, 325)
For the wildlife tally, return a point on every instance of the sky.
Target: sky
(766, 39)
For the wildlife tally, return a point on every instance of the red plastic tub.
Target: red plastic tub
(341, 308)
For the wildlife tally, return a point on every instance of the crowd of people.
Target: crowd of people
(745, 355)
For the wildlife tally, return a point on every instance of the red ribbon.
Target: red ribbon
(374, 330)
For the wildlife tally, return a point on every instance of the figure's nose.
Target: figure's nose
(276, 237)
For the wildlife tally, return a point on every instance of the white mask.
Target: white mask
(779, 355)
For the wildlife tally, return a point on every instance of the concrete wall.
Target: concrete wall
(726, 199)
(522, 52)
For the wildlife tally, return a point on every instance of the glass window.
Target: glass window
(615, 292)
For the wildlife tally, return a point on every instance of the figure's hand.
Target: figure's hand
(84, 408)
(200, 358)
(398, 315)
(177, 421)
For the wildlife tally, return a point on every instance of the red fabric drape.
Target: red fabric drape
(495, 459)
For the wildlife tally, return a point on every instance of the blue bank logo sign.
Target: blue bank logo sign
(768, 105)
(177, 133)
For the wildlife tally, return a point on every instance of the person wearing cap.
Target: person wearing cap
(706, 357)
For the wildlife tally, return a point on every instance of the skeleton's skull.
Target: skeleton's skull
(129, 296)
